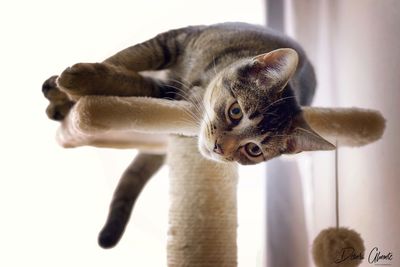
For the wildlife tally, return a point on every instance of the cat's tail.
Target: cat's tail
(129, 187)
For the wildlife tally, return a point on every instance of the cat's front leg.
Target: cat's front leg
(105, 79)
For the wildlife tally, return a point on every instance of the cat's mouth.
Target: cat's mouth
(210, 154)
(207, 148)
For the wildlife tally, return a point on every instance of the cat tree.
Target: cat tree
(203, 214)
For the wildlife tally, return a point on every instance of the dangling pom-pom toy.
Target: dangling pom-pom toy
(338, 247)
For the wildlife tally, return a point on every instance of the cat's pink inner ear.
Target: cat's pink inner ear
(280, 64)
(304, 138)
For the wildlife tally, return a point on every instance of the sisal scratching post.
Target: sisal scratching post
(202, 215)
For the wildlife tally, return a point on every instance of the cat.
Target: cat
(247, 85)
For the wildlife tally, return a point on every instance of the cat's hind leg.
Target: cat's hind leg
(84, 79)
(129, 187)
(119, 74)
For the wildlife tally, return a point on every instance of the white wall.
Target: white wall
(54, 201)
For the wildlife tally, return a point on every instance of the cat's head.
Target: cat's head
(251, 113)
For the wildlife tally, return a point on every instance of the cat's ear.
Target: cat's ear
(278, 66)
(303, 138)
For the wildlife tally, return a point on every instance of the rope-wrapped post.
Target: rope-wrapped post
(203, 208)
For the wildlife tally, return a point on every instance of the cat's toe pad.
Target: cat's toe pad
(60, 104)
(50, 90)
(58, 111)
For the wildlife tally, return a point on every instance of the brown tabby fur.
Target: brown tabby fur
(212, 67)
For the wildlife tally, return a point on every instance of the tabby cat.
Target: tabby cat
(247, 85)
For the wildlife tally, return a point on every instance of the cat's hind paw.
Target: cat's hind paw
(60, 104)
(83, 78)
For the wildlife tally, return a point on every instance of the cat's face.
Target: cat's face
(251, 114)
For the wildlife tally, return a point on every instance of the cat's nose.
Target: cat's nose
(225, 145)
(218, 149)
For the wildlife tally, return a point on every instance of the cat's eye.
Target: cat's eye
(235, 112)
(253, 149)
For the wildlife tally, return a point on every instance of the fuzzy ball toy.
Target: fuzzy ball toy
(338, 247)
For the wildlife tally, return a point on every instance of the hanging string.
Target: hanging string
(337, 184)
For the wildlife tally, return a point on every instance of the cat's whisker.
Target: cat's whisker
(197, 105)
(196, 101)
(279, 100)
(214, 67)
(179, 92)
(187, 109)
(187, 122)
(200, 103)
(186, 86)
(209, 127)
(189, 86)
(189, 112)
(195, 114)
(271, 113)
(196, 120)
(186, 98)
(193, 121)
(170, 84)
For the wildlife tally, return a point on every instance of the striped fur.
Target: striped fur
(213, 67)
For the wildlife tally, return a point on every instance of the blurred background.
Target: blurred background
(54, 201)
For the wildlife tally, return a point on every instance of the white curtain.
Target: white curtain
(354, 46)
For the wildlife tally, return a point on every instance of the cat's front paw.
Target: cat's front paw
(83, 78)
(60, 104)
